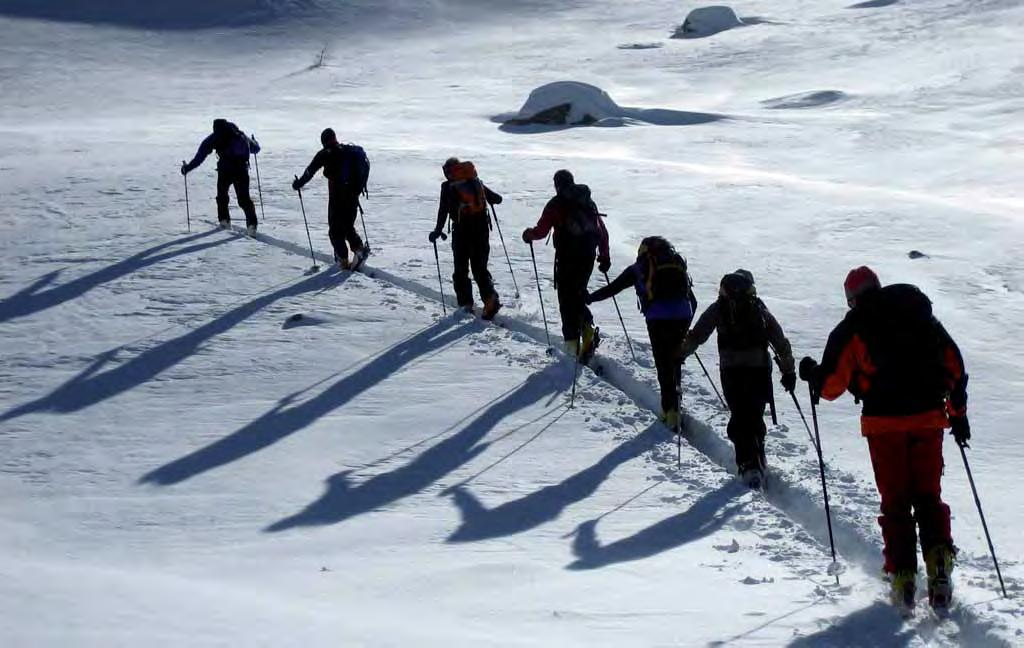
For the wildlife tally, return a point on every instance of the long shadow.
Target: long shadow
(91, 386)
(546, 504)
(284, 418)
(707, 515)
(876, 625)
(344, 500)
(30, 300)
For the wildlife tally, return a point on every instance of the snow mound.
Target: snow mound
(812, 99)
(708, 21)
(873, 4)
(570, 103)
(639, 46)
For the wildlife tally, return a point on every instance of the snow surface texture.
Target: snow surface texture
(184, 463)
(570, 103)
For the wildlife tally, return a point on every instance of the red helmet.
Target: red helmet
(859, 281)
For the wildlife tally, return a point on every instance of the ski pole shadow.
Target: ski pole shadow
(876, 625)
(92, 385)
(286, 418)
(706, 516)
(34, 299)
(344, 499)
(546, 504)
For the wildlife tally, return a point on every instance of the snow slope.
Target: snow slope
(169, 444)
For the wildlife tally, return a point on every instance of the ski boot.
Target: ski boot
(939, 565)
(591, 339)
(752, 477)
(672, 420)
(572, 348)
(491, 307)
(360, 257)
(224, 224)
(250, 230)
(342, 262)
(903, 588)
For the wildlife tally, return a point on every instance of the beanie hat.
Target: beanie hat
(859, 281)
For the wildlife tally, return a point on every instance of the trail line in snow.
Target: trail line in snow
(785, 493)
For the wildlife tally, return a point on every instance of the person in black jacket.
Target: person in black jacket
(233, 148)
(346, 168)
(464, 200)
(664, 292)
(745, 330)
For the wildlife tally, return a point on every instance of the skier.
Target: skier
(464, 199)
(665, 295)
(579, 232)
(891, 353)
(233, 148)
(745, 330)
(347, 169)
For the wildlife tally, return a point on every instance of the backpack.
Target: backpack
(661, 273)
(233, 144)
(580, 229)
(741, 322)
(348, 164)
(467, 190)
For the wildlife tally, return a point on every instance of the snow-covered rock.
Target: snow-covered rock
(569, 103)
(707, 21)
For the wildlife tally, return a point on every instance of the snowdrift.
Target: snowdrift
(708, 21)
(565, 104)
(159, 14)
(812, 99)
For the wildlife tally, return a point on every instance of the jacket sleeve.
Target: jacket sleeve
(702, 330)
(623, 281)
(314, 166)
(602, 240)
(548, 218)
(844, 358)
(205, 148)
(442, 208)
(777, 338)
(954, 363)
(492, 197)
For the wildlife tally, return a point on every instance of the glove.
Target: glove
(497, 200)
(184, 168)
(528, 235)
(961, 430)
(296, 185)
(604, 265)
(788, 381)
(433, 236)
(808, 369)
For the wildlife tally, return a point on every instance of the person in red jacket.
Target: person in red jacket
(892, 354)
(579, 237)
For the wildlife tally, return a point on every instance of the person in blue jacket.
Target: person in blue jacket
(233, 148)
(665, 296)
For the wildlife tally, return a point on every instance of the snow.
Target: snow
(708, 21)
(182, 462)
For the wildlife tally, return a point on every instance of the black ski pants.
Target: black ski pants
(471, 249)
(666, 339)
(239, 177)
(342, 210)
(572, 275)
(746, 393)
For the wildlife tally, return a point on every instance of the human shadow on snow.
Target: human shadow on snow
(876, 625)
(285, 418)
(91, 386)
(33, 298)
(546, 504)
(344, 499)
(706, 516)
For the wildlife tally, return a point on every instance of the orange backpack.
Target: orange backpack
(468, 189)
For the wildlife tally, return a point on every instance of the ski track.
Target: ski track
(791, 495)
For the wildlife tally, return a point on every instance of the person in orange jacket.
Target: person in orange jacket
(893, 355)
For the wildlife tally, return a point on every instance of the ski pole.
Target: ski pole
(771, 400)
(679, 412)
(188, 216)
(259, 185)
(502, 238)
(540, 294)
(981, 514)
(440, 284)
(621, 321)
(824, 488)
(366, 237)
(804, 419)
(710, 380)
(308, 237)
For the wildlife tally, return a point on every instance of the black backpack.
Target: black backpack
(580, 231)
(349, 165)
(741, 322)
(663, 276)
